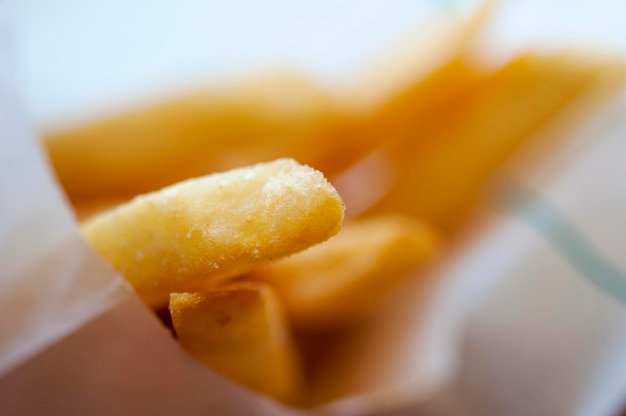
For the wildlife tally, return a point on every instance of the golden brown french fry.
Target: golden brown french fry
(222, 128)
(439, 176)
(404, 124)
(89, 208)
(78, 154)
(216, 227)
(278, 115)
(343, 279)
(240, 331)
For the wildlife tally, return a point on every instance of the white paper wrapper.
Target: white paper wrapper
(547, 332)
(526, 318)
(51, 282)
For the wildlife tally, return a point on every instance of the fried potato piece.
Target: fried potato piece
(240, 331)
(343, 279)
(439, 171)
(275, 115)
(206, 229)
(145, 149)
(93, 207)
(404, 124)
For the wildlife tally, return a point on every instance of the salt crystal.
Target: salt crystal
(170, 192)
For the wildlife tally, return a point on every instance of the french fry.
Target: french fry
(403, 124)
(439, 176)
(212, 228)
(90, 208)
(240, 331)
(99, 166)
(218, 129)
(344, 279)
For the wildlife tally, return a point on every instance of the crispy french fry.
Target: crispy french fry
(403, 124)
(277, 115)
(439, 176)
(80, 154)
(343, 279)
(212, 228)
(90, 208)
(240, 331)
(222, 128)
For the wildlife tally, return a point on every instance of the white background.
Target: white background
(81, 55)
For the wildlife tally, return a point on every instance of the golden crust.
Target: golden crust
(211, 228)
(240, 331)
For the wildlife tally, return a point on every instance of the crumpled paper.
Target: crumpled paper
(547, 333)
(44, 292)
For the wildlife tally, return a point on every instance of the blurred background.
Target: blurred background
(82, 56)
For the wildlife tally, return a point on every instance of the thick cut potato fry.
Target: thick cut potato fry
(277, 115)
(343, 279)
(211, 228)
(98, 162)
(405, 123)
(240, 331)
(439, 172)
(93, 207)
(222, 128)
